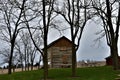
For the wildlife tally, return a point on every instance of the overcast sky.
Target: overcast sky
(89, 49)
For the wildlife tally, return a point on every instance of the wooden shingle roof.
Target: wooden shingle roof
(61, 38)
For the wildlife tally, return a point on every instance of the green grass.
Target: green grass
(93, 73)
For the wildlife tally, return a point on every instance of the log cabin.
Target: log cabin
(60, 53)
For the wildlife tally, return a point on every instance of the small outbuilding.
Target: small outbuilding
(109, 60)
(60, 53)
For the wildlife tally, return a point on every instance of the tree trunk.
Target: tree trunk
(73, 54)
(115, 57)
(25, 61)
(32, 66)
(45, 62)
(45, 56)
(73, 61)
(40, 59)
(10, 59)
(28, 65)
(22, 67)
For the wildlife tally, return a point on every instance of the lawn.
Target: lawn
(91, 73)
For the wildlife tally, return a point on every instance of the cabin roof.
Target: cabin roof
(63, 37)
(110, 57)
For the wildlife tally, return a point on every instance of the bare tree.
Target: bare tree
(29, 49)
(75, 12)
(25, 49)
(45, 20)
(26, 41)
(109, 12)
(11, 13)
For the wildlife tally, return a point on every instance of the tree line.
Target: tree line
(25, 26)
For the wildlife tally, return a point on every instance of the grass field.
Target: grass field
(92, 73)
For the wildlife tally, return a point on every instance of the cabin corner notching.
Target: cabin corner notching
(60, 53)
